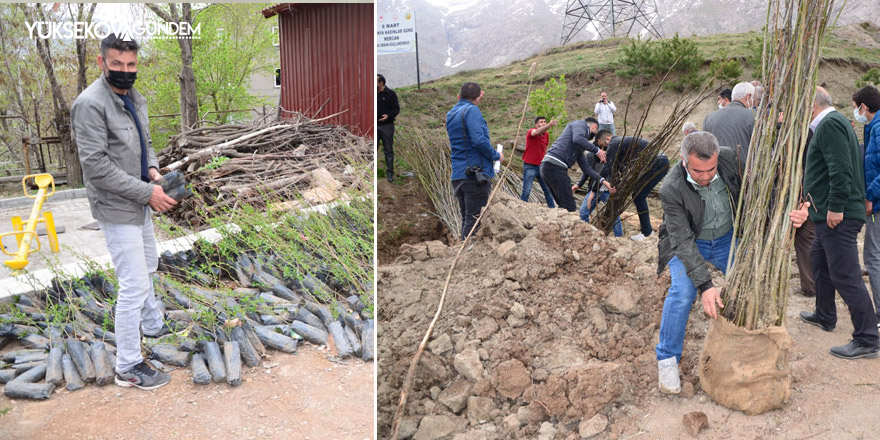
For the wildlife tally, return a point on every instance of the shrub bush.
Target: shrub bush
(549, 102)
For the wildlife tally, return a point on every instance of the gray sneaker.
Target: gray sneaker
(667, 370)
(143, 377)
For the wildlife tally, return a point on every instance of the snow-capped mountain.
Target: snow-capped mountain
(471, 34)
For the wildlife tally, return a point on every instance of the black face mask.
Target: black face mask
(592, 135)
(121, 80)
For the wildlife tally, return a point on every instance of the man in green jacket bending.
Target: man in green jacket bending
(699, 199)
(835, 183)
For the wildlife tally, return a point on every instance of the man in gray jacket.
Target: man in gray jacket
(699, 198)
(111, 130)
(733, 124)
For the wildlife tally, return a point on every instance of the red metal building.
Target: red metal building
(327, 61)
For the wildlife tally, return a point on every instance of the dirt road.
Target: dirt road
(300, 396)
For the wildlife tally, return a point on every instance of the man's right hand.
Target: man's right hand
(601, 155)
(553, 123)
(710, 299)
(832, 219)
(159, 201)
(799, 216)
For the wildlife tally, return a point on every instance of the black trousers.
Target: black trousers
(472, 197)
(835, 258)
(385, 135)
(556, 177)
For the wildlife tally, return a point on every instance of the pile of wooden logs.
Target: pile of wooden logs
(231, 165)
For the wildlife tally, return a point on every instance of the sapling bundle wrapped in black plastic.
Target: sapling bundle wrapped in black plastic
(254, 288)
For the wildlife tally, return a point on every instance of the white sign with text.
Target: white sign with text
(396, 33)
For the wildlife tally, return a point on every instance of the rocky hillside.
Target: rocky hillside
(464, 35)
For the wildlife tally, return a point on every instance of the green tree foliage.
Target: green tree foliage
(870, 77)
(725, 69)
(549, 102)
(235, 43)
(650, 60)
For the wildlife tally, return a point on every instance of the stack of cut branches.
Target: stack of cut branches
(233, 164)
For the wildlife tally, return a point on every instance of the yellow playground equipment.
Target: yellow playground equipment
(29, 230)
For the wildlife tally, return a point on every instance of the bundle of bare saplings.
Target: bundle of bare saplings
(222, 308)
(236, 164)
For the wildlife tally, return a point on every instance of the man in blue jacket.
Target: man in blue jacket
(866, 104)
(472, 155)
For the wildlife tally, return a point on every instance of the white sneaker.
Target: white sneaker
(639, 237)
(667, 371)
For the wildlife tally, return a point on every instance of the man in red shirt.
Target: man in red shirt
(537, 140)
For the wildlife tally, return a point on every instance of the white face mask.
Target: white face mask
(861, 119)
(691, 179)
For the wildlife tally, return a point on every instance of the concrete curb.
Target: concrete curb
(31, 282)
(68, 194)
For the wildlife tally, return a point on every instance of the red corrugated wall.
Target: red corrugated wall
(327, 54)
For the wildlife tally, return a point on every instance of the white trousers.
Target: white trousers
(135, 258)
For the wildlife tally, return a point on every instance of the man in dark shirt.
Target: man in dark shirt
(569, 148)
(835, 181)
(623, 151)
(387, 108)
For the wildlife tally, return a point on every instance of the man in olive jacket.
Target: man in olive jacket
(111, 131)
(699, 198)
(835, 183)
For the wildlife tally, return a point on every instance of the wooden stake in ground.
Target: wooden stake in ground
(411, 372)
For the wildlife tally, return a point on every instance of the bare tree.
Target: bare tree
(59, 104)
(84, 12)
(189, 103)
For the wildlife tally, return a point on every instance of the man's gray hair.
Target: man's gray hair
(741, 90)
(701, 143)
(759, 95)
(823, 98)
(688, 127)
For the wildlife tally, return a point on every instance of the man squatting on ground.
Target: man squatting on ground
(111, 130)
(387, 109)
(598, 192)
(472, 155)
(621, 152)
(835, 182)
(699, 199)
(537, 139)
(569, 148)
